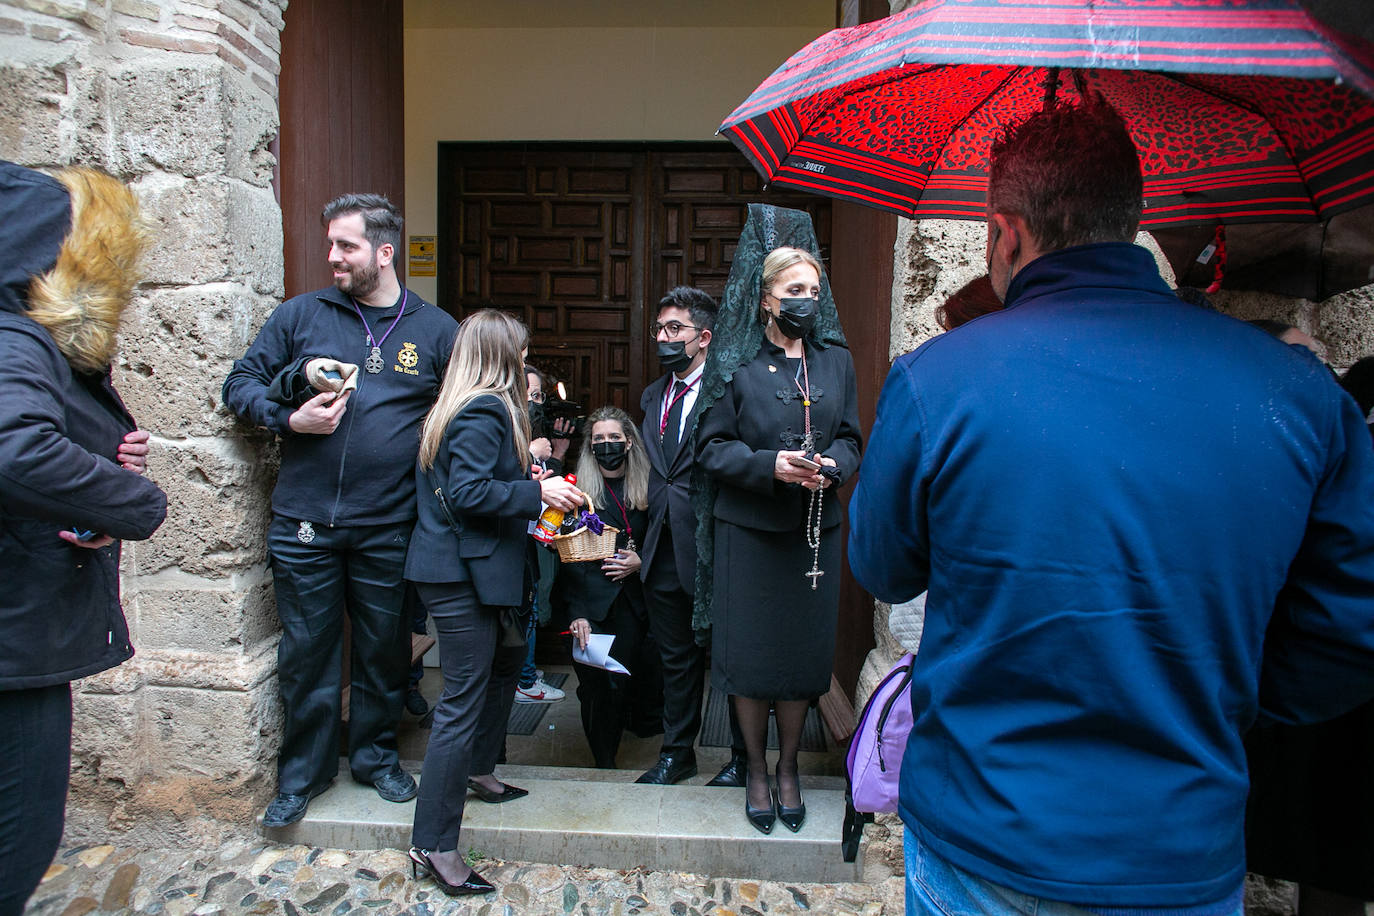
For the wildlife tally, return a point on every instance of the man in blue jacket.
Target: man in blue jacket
(344, 503)
(1112, 496)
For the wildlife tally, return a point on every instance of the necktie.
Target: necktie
(673, 432)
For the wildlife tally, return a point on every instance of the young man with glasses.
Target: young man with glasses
(669, 557)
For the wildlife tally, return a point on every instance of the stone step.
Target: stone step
(602, 818)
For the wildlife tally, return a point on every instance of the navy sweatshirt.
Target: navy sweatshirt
(364, 472)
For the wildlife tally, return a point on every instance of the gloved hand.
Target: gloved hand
(331, 375)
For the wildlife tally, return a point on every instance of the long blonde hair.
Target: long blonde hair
(486, 359)
(589, 477)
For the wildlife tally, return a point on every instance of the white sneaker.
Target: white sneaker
(538, 692)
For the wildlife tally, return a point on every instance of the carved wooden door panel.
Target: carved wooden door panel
(698, 204)
(581, 242)
(555, 237)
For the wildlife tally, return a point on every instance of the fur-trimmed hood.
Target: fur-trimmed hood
(77, 240)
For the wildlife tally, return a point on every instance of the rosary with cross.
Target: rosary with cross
(808, 445)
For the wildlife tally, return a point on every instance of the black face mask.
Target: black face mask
(795, 317)
(536, 412)
(672, 355)
(610, 455)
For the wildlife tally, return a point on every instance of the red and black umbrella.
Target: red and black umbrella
(1242, 110)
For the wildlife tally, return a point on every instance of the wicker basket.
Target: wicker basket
(581, 545)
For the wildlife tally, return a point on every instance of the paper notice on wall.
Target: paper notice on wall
(422, 261)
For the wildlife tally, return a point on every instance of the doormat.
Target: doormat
(524, 717)
(715, 726)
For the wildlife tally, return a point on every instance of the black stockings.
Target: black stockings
(753, 724)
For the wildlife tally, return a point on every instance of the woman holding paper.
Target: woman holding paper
(607, 597)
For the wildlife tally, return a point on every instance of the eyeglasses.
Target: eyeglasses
(537, 397)
(671, 328)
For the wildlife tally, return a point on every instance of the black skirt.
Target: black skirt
(772, 637)
(1310, 816)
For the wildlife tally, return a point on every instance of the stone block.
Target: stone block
(1345, 323)
(934, 258)
(141, 9)
(72, 10)
(252, 124)
(170, 119)
(217, 509)
(200, 732)
(212, 230)
(105, 737)
(31, 113)
(180, 612)
(176, 346)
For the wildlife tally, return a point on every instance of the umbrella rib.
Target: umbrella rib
(1248, 106)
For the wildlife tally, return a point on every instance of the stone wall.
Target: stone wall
(179, 99)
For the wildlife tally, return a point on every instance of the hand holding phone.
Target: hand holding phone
(801, 461)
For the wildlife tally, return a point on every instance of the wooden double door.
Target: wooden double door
(582, 240)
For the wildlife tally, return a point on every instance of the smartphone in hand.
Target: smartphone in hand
(801, 461)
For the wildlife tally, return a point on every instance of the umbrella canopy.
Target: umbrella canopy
(1242, 110)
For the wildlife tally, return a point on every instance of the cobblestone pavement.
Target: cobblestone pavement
(260, 878)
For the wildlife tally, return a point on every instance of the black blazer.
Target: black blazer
(492, 500)
(759, 414)
(670, 489)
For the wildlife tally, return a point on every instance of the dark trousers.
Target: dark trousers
(684, 662)
(342, 570)
(607, 699)
(470, 717)
(35, 755)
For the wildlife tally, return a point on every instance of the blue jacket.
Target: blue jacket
(1108, 493)
(363, 473)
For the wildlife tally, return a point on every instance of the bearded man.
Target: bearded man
(344, 376)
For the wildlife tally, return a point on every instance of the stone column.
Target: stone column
(178, 98)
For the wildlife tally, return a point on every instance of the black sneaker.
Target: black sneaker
(415, 703)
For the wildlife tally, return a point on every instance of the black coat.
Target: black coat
(60, 430)
(363, 472)
(759, 414)
(670, 489)
(492, 500)
(586, 590)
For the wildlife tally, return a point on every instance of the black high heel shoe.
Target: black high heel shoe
(761, 818)
(792, 817)
(475, 884)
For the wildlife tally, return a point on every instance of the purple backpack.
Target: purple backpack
(874, 762)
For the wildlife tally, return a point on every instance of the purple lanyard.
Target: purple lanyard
(405, 297)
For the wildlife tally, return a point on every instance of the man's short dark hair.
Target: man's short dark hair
(381, 220)
(695, 302)
(1072, 173)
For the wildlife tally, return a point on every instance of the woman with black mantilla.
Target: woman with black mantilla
(607, 596)
(780, 430)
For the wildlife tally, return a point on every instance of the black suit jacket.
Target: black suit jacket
(492, 500)
(670, 489)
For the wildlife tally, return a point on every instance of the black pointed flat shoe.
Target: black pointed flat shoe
(475, 883)
(507, 793)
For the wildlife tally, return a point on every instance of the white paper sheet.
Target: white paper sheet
(598, 653)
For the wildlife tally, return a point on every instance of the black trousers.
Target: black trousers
(35, 756)
(356, 571)
(608, 699)
(684, 662)
(470, 717)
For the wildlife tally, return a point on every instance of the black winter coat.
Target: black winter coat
(60, 430)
